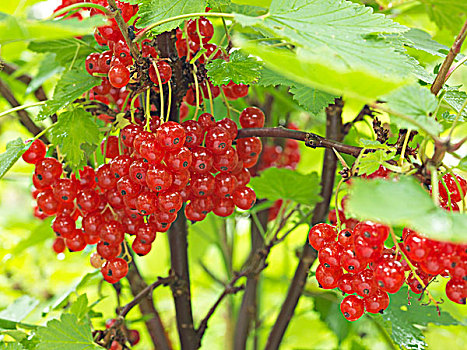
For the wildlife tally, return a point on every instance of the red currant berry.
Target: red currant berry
(35, 152)
(119, 75)
(377, 302)
(159, 178)
(328, 277)
(171, 136)
(352, 307)
(59, 245)
(320, 234)
(252, 117)
(244, 198)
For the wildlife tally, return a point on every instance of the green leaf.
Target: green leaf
(462, 164)
(152, 11)
(11, 346)
(39, 234)
(14, 150)
(370, 162)
(274, 184)
(329, 313)
(313, 70)
(65, 49)
(405, 319)
(311, 99)
(455, 98)
(19, 309)
(66, 333)
(405, 203)
(14, 29)
(71, 86)
(241, 69)
(48, 67)
(421, 40)
(62, 299)
(334, 38)
(417, 104)
(73, 129)
(80, 307)
(447, 13)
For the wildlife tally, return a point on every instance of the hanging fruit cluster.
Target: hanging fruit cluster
(358, 260)
(153, 166)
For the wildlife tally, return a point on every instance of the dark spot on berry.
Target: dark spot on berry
(253, 154)
(39, 176)
(176, 140)
(202, 166)
(164, 224)
(453, 264)
(381, 284)
(110, 273)
(381, 311)
(123, 137)
(224, 168)
(143, 241)
(366, 291)
(201, 193)
(90, 65)
(347, 234)
(79, 206)
(65, 198)
(351, 267)
(123, 192)
(117, 176)
(172, 211)
(407, 248)
(419, 286)
(139, 176)
(185, 164)
(346, 314)
(106, 243)
(145, 160)
(143, 212)
(97, 179)
(367, 234)
(222, 145)
(158, 188)
(327, 265)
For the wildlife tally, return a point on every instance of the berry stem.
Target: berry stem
(211, 105)
(175, 18)
(336, 204)
(404, 146)
(161, 92)
(78, 6)
(197, 92)
(227, 105)
(435, 188)
(22, 107)
(454, 123)
(169, 103)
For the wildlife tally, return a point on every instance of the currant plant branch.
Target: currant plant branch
(453, 52)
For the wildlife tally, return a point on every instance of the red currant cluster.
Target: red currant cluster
(142, 188)
(357, 262)
(195, 37)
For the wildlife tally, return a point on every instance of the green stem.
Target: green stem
(77, 6)
(175, 18)
(43, 132)
(457, 118)
(19, 108)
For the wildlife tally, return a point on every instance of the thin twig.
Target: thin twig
(141, 295)
(24, 117)
(311, 140)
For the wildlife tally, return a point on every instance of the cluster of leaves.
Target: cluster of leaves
(72, 330)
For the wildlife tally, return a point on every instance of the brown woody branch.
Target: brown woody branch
(124, 29)
(144, 293)
(230, 288)
(308, 255)
(24, 117)
(444, 69)
(146, 305)
(311, 140)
